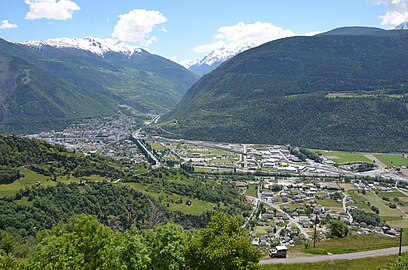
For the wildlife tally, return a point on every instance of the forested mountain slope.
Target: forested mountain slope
(45, 87)
(347, 90)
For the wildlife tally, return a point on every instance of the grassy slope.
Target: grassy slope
(198, 206)
(391, 216)
(366, 264)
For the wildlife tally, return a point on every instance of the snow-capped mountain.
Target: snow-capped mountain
(215, 58)
(402, 26)
(96, 46)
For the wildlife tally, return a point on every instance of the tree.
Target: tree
(166, 244)
(129, 251)
(223, 245)
(81, 244)
(7, 243)
(9, 262)
(338, 229)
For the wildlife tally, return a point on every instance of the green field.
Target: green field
(295, 205)
(393, 217)
(385, 210)
(344, 157)
(392, 194)
(366, 264)
(29, 180)
(260, 230)
(352, 244)
(329, 203)
(391, 160)
(359, 200)
(196, 208)
(252, 191)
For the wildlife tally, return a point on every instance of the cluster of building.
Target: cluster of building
(293, 209)
(108, 136)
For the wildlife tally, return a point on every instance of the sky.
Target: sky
(189, 29)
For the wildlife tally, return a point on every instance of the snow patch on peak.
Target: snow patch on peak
(188, 63)
(224, 53)
(402, 26)
(96, 46)
(216, 57)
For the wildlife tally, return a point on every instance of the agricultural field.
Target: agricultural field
(393, 217)
(260, 230)
(329, 203)
(394, 193)
(344, 157)
(347, 186)
(252, 191)
(392, 160)
(385, 210)
(359, 200)
(340, 157)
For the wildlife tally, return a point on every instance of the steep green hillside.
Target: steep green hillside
(47, 88)
(346, 92)
(32, 100)
(42, 184)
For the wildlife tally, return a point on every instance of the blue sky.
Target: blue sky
(188, 29)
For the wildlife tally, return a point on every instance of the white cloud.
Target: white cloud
(149, 41)
(6, 25)
(184, 63)
(397, 12)
(242, 35)
(136, 25)
(206, 48)
(313, 33)
(51, 9)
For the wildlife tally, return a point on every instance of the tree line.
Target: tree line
(83, 243)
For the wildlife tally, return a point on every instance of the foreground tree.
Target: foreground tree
(223, 245)
(82, 244)
(166, 244)
(86, 244)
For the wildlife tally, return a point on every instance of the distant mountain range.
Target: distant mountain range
(48, 84)
(215, 58)
(96, 46)
(346, 89)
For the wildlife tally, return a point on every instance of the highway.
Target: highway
(349, 256)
